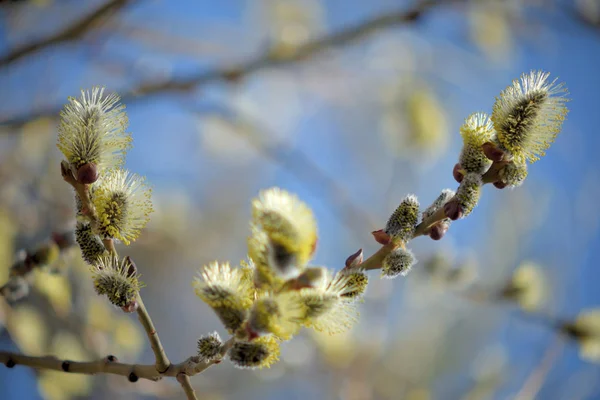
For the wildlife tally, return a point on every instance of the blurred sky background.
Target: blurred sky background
(351, 128)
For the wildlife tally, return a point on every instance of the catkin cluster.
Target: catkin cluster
(526, 118)
(116, 204)
(274, 293)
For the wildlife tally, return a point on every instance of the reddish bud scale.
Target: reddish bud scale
(492, 152)
(355, 259)
(131, 307)
(453, 210)
(458, 176)
(87, 173)
(437, 231)
(381, 237)
(500, 184)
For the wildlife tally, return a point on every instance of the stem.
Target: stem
(93, 367)
(184, 381)
(375, 261)
(162, 361)
(536, 379)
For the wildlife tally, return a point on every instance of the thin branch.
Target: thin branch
(376, 260)
(536, 379)
(69, 33)
(267, 59)
(184, 381)
(162, 361)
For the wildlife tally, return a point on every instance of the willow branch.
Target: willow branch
(376, 260)
(184, 381)
(69, 33)
(536, 379)
(162, 361)
(269, 58)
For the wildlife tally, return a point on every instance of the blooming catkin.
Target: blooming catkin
(398, 262)
(209, 346)
(92, 248)
(476, 131)
(258, 353)
(92, 131)
(401, 224)
(290, 228)
(226, 291)
(357, 282)
(116, 280)
(468, 193)
(123, 203)
(514, 173)
(528, 115)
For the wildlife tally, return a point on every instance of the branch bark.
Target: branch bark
(69, 33)
(264, 60)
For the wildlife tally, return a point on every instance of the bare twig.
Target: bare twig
(69, 33)
(536, 379)
(184, 381)
(264, 60)
(375, 261)
(162, 361)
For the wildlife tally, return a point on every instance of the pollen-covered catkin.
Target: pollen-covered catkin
(259, 353)
(115, 280)
(209, 346)
(123, 203)
(401, 224)
(290, 227)
(476, 131)
(227, 292)
(398, 262)
(468, 193)
(92, 132)
(528, 115)
(357, 284)
(92, 248)
(514, 174)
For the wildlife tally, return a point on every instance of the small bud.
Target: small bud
(457, 173)
(437, 231)
(132, 377)
(10, 363)
(585, 330)
(131, 267)
(492, 152)
(500, 185)
(65, 366)
(440, 201)
(401, 224)
(131, 307)
(87, 173)
(259, 353)
(355, 259)
(381, 237)
(209, 346)
(398, 262)
(468, 193)
(453, 210)
(111, 359)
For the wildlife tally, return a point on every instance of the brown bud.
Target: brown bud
(131, 267)
(500, 184)
(437, 231)
(381, 237)
(457, 174)
(492, 152)
(110, 359)
(131, 307)
(453, 210)
(355, 259)
(87, 173)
